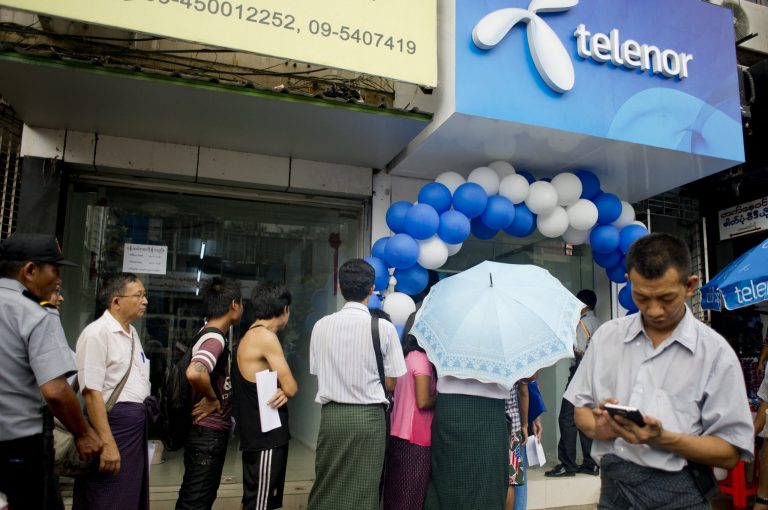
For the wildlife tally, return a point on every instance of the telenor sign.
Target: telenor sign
(390, 38)
(656, 73)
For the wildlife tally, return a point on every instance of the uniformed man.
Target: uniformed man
(35, 360)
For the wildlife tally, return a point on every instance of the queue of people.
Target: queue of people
(446, 442)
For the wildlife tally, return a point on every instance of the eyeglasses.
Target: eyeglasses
(140, 295)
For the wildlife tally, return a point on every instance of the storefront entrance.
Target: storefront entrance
(237, 236)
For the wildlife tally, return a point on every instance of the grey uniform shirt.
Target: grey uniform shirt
(591, 324)
(33, 351)
(692, 383)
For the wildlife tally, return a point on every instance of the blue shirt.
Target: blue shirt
(33, 351)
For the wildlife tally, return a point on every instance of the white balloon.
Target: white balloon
(573, 236)
(542, 198)
(554, 223)
(627, 215)
(453, 249)
(487, 178)
(515, 188)
(583, 214)
(639, 223)
(451, 180)
(432, 253)
(503, 169)
(568, 188)
(399, 306)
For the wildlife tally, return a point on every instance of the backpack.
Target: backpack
(175, 399)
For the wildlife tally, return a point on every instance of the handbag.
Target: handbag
(66, 458)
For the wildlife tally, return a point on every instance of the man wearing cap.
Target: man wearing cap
(566, 447)
(35, 360)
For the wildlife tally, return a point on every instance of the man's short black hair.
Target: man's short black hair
(218, 294)
(356, 278)
(115, 285)
(587, 297)
(653, 255)
(11, 268)
(269, 299)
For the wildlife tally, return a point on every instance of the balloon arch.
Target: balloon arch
(497, 198)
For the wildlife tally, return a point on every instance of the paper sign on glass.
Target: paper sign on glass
(266, 387)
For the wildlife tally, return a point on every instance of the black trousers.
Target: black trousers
(204, 455)
(566, 447)
(26, 474)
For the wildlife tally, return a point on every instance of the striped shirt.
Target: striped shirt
(341, 356)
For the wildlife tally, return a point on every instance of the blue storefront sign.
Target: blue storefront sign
(657, 73)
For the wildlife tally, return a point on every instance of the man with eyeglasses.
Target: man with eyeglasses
(113, 372)
(34, 363)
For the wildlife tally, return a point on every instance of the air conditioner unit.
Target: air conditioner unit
(749, 17)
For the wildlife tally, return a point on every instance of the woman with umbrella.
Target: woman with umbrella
(484, 329)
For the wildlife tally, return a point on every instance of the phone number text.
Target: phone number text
(286, 21)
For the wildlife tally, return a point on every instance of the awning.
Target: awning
(58, 94)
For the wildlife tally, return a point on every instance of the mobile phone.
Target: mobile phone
(631, 413)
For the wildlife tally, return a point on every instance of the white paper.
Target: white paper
(535, 452)
(266, 387)
(150, 452)
(144, 258)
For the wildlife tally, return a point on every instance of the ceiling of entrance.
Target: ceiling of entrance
(133, 104)
(464, 142)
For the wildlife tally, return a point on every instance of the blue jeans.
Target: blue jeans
(521, 491)
(204, 454)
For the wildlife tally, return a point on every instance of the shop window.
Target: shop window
(205, 237)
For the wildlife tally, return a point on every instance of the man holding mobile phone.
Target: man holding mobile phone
(681, 375)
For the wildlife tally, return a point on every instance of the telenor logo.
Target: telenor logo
(548, 53)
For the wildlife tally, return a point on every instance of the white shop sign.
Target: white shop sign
(144, 258)
(743, 219)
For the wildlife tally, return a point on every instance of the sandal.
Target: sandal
(760, 500)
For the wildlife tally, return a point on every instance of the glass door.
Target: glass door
(207, 236)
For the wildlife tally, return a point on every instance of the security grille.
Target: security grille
(10, 168)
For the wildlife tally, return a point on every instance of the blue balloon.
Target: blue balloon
(608, 208)
(454, 227)
(524, 222)
(378, 249)
(625, 299)
(422, 221)
(606, 260)
(470, 198)
(437, 195)
(402, 251)
(629, 235)
(604, 238)
(499, 212)
(374, 303)
(411, 280)
(590, 184)
(400, 328)
(528, 176)
(381, 280)
(617, 273)
(396, 216)
(481, 231)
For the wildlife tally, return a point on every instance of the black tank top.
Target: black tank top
(247, 401)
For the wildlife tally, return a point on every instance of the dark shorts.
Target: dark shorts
(264, 478)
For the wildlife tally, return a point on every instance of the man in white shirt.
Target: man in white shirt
(681, 375)
(108, 352)
(351, 440)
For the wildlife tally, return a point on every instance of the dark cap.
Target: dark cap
(35, 248)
